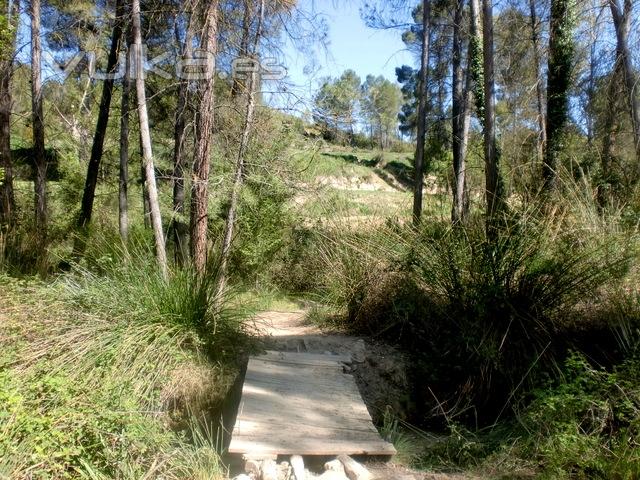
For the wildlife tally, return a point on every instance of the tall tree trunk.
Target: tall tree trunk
(559, 72)
(611, 127)
(237, 87)
(460, 120)
(7, 198)
(123, 180)
(179, 228)
(493, 177)
(541, 139)
(238, 177)
(204, 131)
(476, 58)
(622, 23)
(37, 113)
(88, 196)
(145, 134)
(423, 86)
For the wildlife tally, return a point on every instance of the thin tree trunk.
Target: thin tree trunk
(237, 87)
(40, 186)
(123, 184)
(460, 120)
(493, 177)
(610, 133)
(541, 139)
(7, 197)
(596, 9)
(145, 135)
(204, 131)
(238, 178)
(622, 23)
(476, 58)
(146, 206)
(422, 113)
(179, 228)
(558, 83)
(88, 196)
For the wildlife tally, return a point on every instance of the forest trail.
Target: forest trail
(378, 371)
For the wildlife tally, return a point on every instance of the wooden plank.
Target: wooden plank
(299, 403)
(315, 359)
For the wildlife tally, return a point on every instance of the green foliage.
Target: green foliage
(483, 316)
(380, 104)
(75, 423)
(7, 33)
(265, 219)
(115, 342)
(336, 102)
(588, 424)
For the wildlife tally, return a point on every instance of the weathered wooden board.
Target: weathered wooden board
(302, 403)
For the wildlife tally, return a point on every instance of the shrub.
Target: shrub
(112, 358)
(588, 424)
(483, 317)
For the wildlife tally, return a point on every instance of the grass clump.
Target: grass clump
(484, 317)
(112, 372)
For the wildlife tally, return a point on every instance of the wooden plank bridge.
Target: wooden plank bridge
(303, 404)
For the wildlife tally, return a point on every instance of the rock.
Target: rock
(252, 466)
(334, 466)
(354, 470)
(269, 470)
(297, 464)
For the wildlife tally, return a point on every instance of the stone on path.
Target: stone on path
(353, 469)
(269, 470)
(297, 464)
(334, 466)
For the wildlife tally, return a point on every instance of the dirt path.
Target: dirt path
(379, 370)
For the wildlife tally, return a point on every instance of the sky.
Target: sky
(351, 45)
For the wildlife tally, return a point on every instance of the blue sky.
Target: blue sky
(351, 44)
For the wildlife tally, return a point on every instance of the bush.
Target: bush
(484, 317)
(588, 424)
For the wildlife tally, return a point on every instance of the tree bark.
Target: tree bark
(204, 131)
(179, 228)
(423, 86)
(88, 196)
(123, 178)
(558, 83)
(610, 133)
(476, 62)
(7, 197)
(40, 185)
(541, 139)
(238, 178)
(460, 120)
(145, 134)
(622, 22)
(146, 206)
(493, 177)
